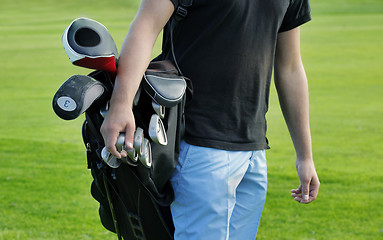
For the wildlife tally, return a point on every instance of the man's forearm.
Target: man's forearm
(135, 55)
(292, 87)
(293, 96)
(138, 45)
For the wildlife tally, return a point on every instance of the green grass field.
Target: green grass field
(44, 183)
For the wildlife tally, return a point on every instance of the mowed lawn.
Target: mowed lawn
(44, 183)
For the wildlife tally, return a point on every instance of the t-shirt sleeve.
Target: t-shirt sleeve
(298, 13)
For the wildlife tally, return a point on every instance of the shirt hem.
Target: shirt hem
(229, 146)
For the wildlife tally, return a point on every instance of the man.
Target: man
(228, 49)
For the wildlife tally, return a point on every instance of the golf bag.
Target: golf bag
(134, 192)
(134, 199)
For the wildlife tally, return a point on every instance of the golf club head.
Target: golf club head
(138, 141)
(157, 130)
(146, 157)
(109, 159)
(132, 154)
(132, 158)
(76, 95)
(158, 109)
(120, 142)
(104, 109)
(89, 44)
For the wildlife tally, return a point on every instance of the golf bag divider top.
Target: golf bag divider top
(135, 200)
(163, 84)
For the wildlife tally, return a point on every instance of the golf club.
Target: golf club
(158, 109)
(138, 141)
(76, 95)
(109, 159)
(146, 157)
(89, 44)
(132, 154)
(104, 109)
(157, 131)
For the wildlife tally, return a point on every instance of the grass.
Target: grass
(44, 183)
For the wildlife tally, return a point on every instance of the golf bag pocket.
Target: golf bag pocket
(163, 83)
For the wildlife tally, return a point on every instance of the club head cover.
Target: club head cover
(76, 95)
(89, 44)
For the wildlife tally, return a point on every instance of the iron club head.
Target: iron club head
(158, 109)
(157, 130)
(109, 159)
(146, 157)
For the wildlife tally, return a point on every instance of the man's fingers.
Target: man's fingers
(314, 189)
(129, 136)
(302, 194)
(298, 190)
(305, 193)
(110, 144)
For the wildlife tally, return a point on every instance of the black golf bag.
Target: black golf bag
(134, 196)
(134, 199)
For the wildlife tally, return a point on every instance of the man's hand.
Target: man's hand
(119, 119)
(308, 190)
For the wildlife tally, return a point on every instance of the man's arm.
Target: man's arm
(292, 87)
(135, 56)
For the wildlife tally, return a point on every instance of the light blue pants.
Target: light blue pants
(218, 194)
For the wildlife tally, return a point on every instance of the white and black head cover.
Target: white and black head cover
(89, 44)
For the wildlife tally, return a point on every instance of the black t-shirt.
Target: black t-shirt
(227, 47)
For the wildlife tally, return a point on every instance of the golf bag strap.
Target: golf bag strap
(180, 13)
(182, 9)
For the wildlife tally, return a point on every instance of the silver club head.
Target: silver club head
(132, 154)
(132, 158)
(109, 159)
(158, 109)
(138, 141)
(120, 142)
(157, 130)
(104, 109)
(146, 157)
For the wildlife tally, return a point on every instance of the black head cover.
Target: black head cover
(76, 95)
